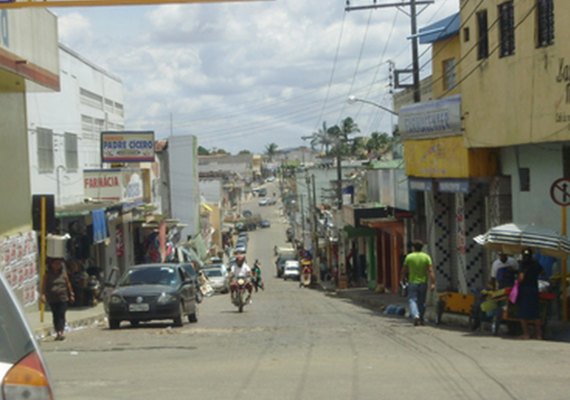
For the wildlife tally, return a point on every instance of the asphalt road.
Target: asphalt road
(295, 343)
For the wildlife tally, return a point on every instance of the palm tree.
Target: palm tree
(321, 138)
(379, 143)
(340, 135)
(271, 150)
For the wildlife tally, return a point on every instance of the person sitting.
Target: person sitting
(503, 272)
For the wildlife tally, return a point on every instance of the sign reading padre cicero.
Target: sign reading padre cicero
(124, 147)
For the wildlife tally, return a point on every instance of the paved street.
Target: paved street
(295, 343)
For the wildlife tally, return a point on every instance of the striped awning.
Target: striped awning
(513, 238)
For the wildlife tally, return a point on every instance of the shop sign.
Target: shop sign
(422, 185)
(113, 184)
(453, 186)
(435, 118)
(127, 147)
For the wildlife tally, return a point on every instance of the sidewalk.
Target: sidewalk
(76, 318)
(555, 331)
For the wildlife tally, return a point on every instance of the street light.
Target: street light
(354, 99)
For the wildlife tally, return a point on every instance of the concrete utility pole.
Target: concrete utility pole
(414, 37)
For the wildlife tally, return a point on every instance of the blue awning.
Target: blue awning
(440, 30)
(100, 232)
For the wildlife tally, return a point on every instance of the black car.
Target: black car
(153, 292)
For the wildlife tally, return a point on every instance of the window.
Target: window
(45, 149)
(482, 35)
(524, 179)
(449, 74)
(91, 99)
(71, 157)
(506, 29)
(466, 34)
(545, 22)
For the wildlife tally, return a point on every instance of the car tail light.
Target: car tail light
(27, 380)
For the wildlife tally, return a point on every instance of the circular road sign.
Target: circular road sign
(560, 191)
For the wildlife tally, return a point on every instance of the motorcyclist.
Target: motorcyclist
(240, 269)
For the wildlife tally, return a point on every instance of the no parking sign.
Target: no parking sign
(560, 192)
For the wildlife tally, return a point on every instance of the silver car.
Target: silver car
(23, 372)
(218, 277)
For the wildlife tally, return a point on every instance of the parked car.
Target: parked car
(271, 201)
(153, 292)
(281, 259)
(218, 279)
(270, 179)
(292, 270)
(247, 213)
(265, 223)
(193, 274)
(262, 192)
(263, 202)
(23, 372)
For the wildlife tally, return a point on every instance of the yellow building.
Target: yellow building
(448, 181)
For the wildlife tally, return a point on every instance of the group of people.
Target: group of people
(418, 270)
(240, 269)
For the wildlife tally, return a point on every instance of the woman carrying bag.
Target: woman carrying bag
(56, 290)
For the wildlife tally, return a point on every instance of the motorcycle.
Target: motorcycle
(93, 290)
(240, 294)
(306, 275)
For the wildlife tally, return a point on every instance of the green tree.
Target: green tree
(321, 138)
(202, 151)
(379, 144)
(340, 135)
(244, 152)
(271, 150)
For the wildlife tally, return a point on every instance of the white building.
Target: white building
(64, 128)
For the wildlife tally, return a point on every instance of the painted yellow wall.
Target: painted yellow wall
(441, 51)
(516, 99)
(15, 200)
(448, 158)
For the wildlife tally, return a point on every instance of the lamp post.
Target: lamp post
(353, 99)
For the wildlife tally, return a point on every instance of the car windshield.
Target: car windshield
(156, 275)
(15, 342)
(212, 273)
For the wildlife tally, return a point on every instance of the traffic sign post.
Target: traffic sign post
(560, 194)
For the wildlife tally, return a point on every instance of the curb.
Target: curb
(45, 332)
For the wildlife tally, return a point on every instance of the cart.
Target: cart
(493, 306)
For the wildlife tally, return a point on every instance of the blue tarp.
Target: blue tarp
(100, 232)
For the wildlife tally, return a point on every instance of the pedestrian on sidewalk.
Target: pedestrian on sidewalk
(528, 303)
(56, 290)
(418, 268)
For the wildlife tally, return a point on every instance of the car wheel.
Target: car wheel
(134, 323)
(114, 323)
(193, 318)
(178, 320)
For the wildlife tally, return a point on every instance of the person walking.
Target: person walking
(256, 272)
(528, 303)
(418, 268)
(56, 290)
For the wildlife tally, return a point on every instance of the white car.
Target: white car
(292, 270)
(23, 372)
(218, 276)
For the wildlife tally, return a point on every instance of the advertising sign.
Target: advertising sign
(125, 147)
(113, 184)
(431, 118)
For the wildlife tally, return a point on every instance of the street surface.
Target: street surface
(295, 343)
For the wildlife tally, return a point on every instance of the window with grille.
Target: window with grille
(71, 154)
(506, 29)
(45, 149)
(91, 99)
(545, 22)
(482, 35)
(449, 74)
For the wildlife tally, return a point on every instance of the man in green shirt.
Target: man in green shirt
(417, 267)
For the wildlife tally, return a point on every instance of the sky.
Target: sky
(241, 76)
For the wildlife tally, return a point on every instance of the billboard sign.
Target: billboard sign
(121, 185)
(125, 147)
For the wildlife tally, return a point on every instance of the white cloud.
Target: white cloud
(246, 74)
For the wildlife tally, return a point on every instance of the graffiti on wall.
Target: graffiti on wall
(18, 264)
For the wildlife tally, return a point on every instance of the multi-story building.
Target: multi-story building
(28, 62)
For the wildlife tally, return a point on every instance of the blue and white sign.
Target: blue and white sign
(422, 185)
(453, 186)
(431, 118)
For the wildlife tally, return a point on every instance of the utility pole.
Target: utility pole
(415, 71)
(316, 257)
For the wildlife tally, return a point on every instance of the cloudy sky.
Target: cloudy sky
(244, 75)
